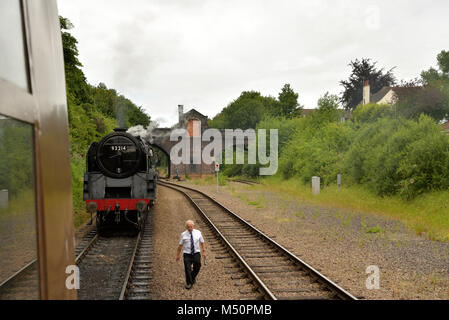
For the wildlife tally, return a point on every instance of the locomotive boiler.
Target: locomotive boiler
(120, 180)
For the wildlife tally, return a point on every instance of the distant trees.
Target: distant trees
(93, 110)
(251, 107)
(76, 84)
(244, 112)
(328, 107)
(287, 106)
(361, 71)
(432, 98)
(432, 75)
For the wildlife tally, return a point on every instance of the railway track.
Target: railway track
(251, 183)
(276, 272)
(110, 268)
(137, 284)
(118, 267)
(24, 283)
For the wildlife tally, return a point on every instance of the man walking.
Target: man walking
(191, 240)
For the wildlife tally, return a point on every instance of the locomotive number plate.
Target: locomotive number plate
(118, 148)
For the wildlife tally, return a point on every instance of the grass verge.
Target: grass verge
(427, 215)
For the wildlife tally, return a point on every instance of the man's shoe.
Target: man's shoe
(188, 286)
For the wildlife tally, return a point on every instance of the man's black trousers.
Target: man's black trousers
(189, 260)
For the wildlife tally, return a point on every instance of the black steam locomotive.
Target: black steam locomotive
(120, 182)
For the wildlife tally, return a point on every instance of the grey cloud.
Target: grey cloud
(204, 53)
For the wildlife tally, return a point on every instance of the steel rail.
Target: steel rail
(31, 263)
(16, 274)
(340, 292)
(86, 250)
(130, 267)
(266, 292)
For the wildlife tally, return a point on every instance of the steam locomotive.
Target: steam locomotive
(120, 181)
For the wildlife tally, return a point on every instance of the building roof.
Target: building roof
(379, 95)
(194, 113)
(399, 91)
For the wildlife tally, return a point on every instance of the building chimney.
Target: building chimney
(181, 114)
(366, 93)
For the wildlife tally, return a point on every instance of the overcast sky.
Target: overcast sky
(203, 54)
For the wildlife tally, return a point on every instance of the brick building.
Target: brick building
(195, 123)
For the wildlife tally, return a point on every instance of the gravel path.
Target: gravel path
(343, 244)
(213, 283)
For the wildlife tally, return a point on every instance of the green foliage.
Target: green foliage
(93, 111)
(328, 108)
(251, 107)
(426, 165)
(397, 156)
(316, 149)
(431, 100)
(76, 85)
(244, 112)
(288, 106)
(432, 75)
(285, 127)
(78, 167)
(16, 160)
(391, 156)
(443, 61)
(371, 113)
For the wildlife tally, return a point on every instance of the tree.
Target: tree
(434, 76)
(244, 112)
(432, 98)
(443, 61)
(361, 71)
(328, 107)
(288, 106)
(76, 84)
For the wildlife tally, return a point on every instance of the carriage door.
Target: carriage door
(33, 127)
(18, 205)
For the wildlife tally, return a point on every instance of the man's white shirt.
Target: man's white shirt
(186, 241)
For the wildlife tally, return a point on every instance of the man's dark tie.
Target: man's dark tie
(192, 246)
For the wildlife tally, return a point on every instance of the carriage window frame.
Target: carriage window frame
(18, 103)
(26, 45)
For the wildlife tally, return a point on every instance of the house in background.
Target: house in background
(386, 95)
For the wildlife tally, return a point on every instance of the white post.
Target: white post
(339, 181)
(316, 185)
(217, 170)
(4, 199)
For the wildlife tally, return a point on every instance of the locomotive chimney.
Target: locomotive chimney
(366, 93)
(181, 114)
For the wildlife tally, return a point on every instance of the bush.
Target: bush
(400, 156)
(371, 112)
(426, 166)
(316, 151)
